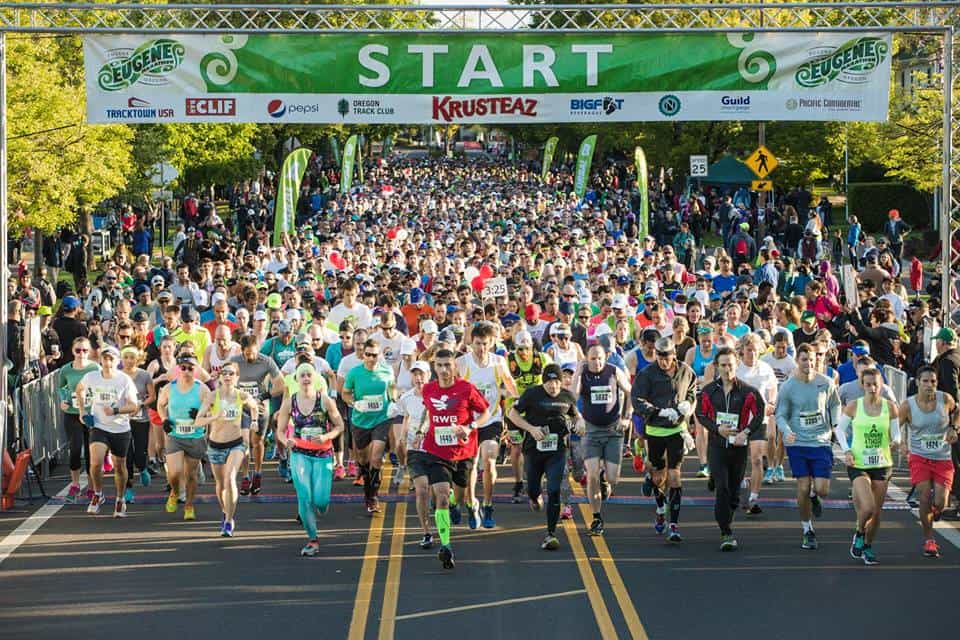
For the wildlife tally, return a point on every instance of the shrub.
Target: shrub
(871, 202)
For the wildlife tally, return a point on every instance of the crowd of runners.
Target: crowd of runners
(364, 342)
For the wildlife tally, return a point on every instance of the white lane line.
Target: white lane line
(947, 529)
(36, 520)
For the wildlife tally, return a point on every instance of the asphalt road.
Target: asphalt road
(155, 576)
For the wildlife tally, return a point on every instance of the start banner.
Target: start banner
(405, 78)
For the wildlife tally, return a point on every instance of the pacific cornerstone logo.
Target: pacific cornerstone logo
(149, 63)
(850, 63)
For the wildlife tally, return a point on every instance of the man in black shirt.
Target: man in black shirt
(545, 412)
(68, 328)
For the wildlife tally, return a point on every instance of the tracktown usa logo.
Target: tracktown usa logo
(138, 109)
(606, 105)
(148, 64)
(669, 105)
(449, 109)
(211, 107)
(278, 108)
(850, 63)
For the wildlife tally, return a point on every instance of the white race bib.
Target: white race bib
(549, 442)
(369, 404)
(729, 420)
(444, 436)
(308, 433)
(932, 444)
(186, 428)
(875, 458)
(811, 420)
(601, 395)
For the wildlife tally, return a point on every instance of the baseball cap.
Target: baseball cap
(745, 226)
(532, 312)
(569, 366)
(293, 314)
(188, 359)
(217, 297)
(189, 314)
(284, 327)
(510, 319)
(649, 335)
(619, 302)
(44, 310)
(164, 295)
(946, 334)
(70, 303)
(665, 345)
(157, 281)
(408, 348)
(429, 326)
(416, 295)
(260, 314)
(274, 301)
(523, 339)
(140, 289)
(552, 372)
(420, 365)
(807, 315)
(623, 280)
(860, 348)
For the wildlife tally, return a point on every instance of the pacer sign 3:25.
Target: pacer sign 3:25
(495, 287)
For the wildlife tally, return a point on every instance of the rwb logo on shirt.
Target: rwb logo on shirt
(440, 404)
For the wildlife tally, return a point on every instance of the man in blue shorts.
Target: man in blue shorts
(808, 407)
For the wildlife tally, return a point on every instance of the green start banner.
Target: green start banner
(516, 77)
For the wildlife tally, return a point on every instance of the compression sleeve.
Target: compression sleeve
(895, 430)
(841, 430)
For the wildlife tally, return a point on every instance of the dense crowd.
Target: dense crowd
(375, 331)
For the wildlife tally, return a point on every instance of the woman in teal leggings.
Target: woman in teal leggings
(308, 422)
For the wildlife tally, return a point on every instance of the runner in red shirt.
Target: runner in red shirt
(454, 409)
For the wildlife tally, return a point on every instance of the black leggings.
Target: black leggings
(552, 464)
(78, 437)
(727, 468)
(138, 446)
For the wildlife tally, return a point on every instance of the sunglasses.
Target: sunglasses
(124, 336)
(81, 350)
(186, 367)
(371, 355)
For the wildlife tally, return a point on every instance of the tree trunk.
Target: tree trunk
(85, 226)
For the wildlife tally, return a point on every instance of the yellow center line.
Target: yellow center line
(630, 615)
(391, 590)
(368, 571)
(600, 612)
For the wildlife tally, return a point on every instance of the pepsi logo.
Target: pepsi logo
(276, 108)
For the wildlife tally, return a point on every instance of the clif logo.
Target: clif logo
(211, 107)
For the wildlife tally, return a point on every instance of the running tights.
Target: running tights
(78, 436)
(371, 480)
(313, 480)
(552, 464)
(137, 455)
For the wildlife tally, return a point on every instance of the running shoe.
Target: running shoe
(108, 464)
(72, 494)
(809, 541)
(245, 486)
(95, 503)
(817, 506)
(674, 535)
(745, 483)
(517, 493)
(869, 557)
(455, 514)
(473, 515)
(227, 531)
(311, 549)
(189, 513)
(536, 505)
(728, 543)
(373, 506)
(647, 487)
(704, 471)
(550, 543)
(283, 468)
(270, 446)
(856, 547)
(596, 527)
(396, 477)
(120, 509)
(201, 475)
(255, 484)
(931, 549)
(89, 494)
(352, 470)
(426, 542)
(660, 523)
(638, 464)
(339, 473)
(445, 555)
(171, 505)
(394, 460)
(753, 508)
(129, 495)
(144, 478)
(937, 513)
(778, 474)
(768, 475)
(487, 520)
(566, 512)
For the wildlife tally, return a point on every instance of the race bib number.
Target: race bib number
(516, 437)
(444, 436)
(105, 396)
(308, 433)
(811, 420)
(369, 404)
(231, 413)
(601, 395)
(875, 458)
(549, 443)
(250, 387)
(729, 420)
(932, 444)
(186, 428)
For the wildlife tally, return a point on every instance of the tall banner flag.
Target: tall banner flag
(335, 149)
(291, 175)
(548, 150)
(360, 157)
(514, 77)
(387, 146)
(643, 215)
(584, 159)
(346, 169)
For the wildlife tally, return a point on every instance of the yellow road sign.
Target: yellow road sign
(761, 185)
(762, 162)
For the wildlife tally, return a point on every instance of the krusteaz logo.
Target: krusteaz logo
(148, 63)
(669, 105)
(850, 63)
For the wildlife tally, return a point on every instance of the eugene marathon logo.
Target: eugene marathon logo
(606, 105)
(148, 63)
(449, 108)
(849, 63)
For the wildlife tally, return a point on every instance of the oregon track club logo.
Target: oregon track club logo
(669, 105)
(850, 63)
(148, 63)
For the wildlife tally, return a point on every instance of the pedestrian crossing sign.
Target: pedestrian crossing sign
(762, 162)
(761, 185)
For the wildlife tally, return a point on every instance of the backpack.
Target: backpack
(740, 248)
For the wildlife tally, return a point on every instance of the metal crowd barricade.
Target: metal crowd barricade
(897, 380)
(41, 420)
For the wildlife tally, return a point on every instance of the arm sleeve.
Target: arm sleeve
(834, 409)
(783, 411)
(894, 428)
(841, 432)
